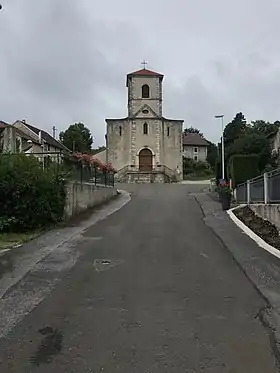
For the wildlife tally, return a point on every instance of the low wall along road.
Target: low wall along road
(82, 196)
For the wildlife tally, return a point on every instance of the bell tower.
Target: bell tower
(144, 88)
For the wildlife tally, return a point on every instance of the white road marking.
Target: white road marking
(261, 243)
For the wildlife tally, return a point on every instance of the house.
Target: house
(38, 140)
(13, 140)
(195, 147)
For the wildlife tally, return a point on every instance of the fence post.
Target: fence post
(81, 173)
(265, 188)
(95, 175)
(248, 192)
(105, 178)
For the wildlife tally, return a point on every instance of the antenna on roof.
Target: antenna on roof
(144, 63)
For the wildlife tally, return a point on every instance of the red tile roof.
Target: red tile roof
(194, 139)
(145, 72)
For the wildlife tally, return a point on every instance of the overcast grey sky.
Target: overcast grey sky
(64, 60)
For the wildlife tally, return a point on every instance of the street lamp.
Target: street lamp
(223, 145)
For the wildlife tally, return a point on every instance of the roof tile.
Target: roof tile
(194, 139)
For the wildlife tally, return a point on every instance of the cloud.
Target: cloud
(64, 61)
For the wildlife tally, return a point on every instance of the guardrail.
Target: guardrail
(262, 189)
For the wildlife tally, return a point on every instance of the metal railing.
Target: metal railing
(71, 168)
(262, 189)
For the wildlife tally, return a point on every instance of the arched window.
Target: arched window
(145, 91)
(120, 130)
(145, 129)
(168, 131)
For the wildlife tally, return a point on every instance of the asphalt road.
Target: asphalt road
(152, 290)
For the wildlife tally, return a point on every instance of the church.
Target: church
(145, 147)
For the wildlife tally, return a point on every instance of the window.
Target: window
(145, 111)
(49, 148)
(168, 131)
(145, 91)
(145, 129)
(195, 150)
(120, 130)
(195, 158)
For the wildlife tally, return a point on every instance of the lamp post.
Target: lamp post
(223, 145)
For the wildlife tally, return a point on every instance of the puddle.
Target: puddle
(50, 346)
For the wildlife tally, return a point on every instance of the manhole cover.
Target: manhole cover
(103, 264)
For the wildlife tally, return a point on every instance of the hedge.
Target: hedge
(242, 168)
(30, 197)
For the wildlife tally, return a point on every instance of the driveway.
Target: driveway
(152, 290)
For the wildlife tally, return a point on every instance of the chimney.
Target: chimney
(23, 121)
(40, 137)
(54, 131)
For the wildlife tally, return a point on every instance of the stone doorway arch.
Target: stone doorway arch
(145, 160)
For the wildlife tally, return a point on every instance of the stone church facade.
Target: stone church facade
(145, 146)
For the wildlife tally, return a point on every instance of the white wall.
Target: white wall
(189, 152)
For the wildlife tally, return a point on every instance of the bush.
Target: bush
(243, 167)
(30, 197)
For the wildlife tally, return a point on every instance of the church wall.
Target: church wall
(102, 156)
(172, 144)
(135, 94)
(118, 145)
(151, 140)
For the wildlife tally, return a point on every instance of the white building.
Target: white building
(195, 147)
(145, 146)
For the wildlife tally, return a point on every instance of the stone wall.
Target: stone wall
(82, 196)
(268, 212)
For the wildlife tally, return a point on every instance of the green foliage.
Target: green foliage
(236, 128)
(212, 154)
(196, 168)
(193, 130)
(252, 143)
(77, 138)
(243, 167)
(266, 129)
(30, 197)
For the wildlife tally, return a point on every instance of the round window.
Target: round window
(145, 111)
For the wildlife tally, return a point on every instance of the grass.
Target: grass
(9, 240)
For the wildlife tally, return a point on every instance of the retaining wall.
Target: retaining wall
(82, 196)
(268, 212)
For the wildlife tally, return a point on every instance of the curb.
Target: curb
(261, 243)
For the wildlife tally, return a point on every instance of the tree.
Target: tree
(212, 154)
(236, 128)
(252, 143)
(77, 138)
(265, 128)
(193, 130)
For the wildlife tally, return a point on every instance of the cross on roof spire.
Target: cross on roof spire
(144, 63)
